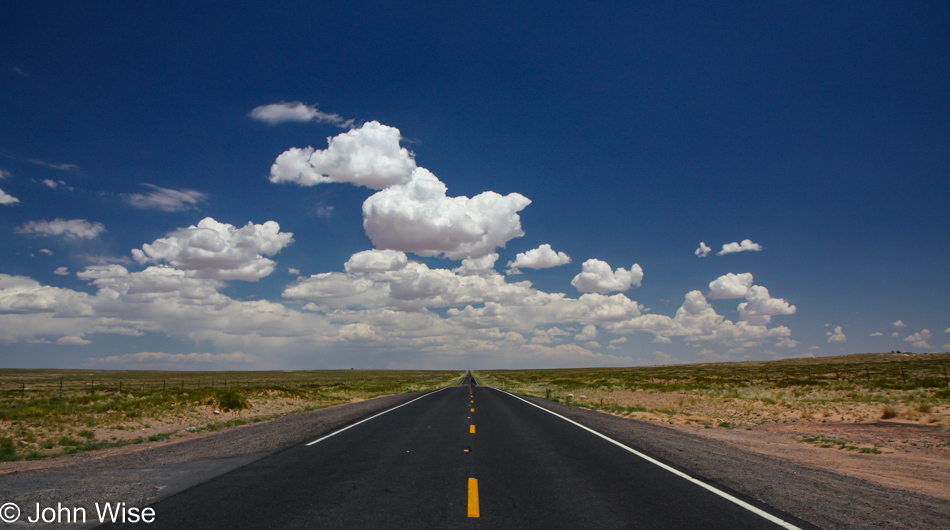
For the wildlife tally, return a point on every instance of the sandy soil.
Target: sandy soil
(910, 452)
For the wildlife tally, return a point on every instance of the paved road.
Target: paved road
(462, 457)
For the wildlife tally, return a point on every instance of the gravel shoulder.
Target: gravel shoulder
(822, 497)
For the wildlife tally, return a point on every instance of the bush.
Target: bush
(228, 401)
(889, 412)
(7, 450)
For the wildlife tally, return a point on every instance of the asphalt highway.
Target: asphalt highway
(461, 457)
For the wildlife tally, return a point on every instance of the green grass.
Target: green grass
(60, 407)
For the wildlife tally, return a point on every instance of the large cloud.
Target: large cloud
(542, 257)
(72, 228)
(219, 250)
(597, 277)
(418, 217)
(369, 156)
(696, 320)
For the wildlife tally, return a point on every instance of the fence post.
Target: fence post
(867, 373)
(903, 376)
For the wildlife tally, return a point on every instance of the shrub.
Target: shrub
(7, 450)
(228, 401)
(889, 412)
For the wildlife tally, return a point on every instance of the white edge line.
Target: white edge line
(334, 433)
(713, 489)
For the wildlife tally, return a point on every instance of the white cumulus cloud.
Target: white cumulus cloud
(369, 156)
(837, 336)
(877, 334)
(919, 339)
(745, 245)
(219, 250)
(542, 257)
(597, 277)
(899, 324)
(166, 199)
(703, 250)
(731, 286)
(61, 271)
(419, 217)
(376, 261)
(73, 228)
(760, 307)
(296, 111)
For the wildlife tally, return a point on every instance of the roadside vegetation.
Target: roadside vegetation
(52, 412)
(854, 388)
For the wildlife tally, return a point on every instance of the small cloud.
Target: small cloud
(61, 271)
(838, 336)
(7, 199)
(4, 174)
(744, 246)
(73, 228)
(51, 165)
(786, 343)
(592, 344)
(50, 183)
(296, 111)
(661, 358)
(877, 334)
(165, 199)
(621, 340)
(295, 272)
(46, 251)
(900, 324)
(597, 277)
(543, 257)
(73, 341)
(16, 70)
(895, 334)
(703, 250)
(660, 339)
(324, 212)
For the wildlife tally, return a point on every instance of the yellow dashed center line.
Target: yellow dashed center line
(472, 430)
(473, 410)
(473, 497)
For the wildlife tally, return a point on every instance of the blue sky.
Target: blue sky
(592, 148)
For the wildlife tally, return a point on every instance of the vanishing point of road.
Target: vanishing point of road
(462, 457)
